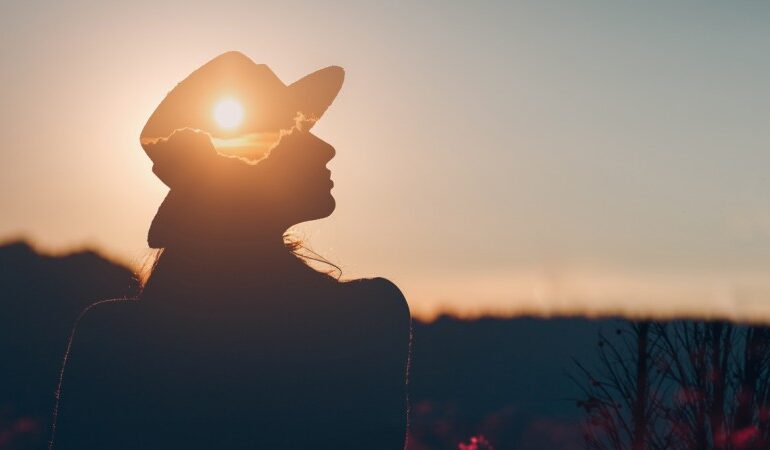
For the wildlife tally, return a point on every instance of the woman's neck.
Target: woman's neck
(265, 254)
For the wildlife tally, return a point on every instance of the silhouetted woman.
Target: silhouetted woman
(236, 343)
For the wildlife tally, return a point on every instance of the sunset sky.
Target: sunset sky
(550, 157)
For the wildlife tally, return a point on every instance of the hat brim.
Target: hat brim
(314, 93)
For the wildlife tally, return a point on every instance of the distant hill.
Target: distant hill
(40, 297)
(505, 378)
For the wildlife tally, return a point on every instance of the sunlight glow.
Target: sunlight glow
(228, 113)
(250, 146)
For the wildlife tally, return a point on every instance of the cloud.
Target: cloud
(248, 147)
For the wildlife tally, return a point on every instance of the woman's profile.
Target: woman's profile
(235, 342)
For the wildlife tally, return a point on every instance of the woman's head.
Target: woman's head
(216, 197)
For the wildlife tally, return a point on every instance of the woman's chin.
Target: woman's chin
(321, 207)
(327, 205)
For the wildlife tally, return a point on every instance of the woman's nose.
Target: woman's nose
(327, 150)
(304, 148)
(318, 150)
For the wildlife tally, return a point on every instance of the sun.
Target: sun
(228, 113)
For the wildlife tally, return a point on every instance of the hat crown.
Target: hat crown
(231, 75)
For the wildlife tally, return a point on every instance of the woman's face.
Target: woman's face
(297, 182)
(226, 195)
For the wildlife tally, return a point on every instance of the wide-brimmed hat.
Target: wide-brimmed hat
(264, 104)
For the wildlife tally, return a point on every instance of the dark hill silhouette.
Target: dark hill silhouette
(40, 298)
(505, 378)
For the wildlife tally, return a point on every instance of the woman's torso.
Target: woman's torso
(241, 359)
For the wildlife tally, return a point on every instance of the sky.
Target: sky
(593, 157)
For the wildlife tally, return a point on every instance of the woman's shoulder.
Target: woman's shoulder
(380, 296)
(102, 323)
(110, 312)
